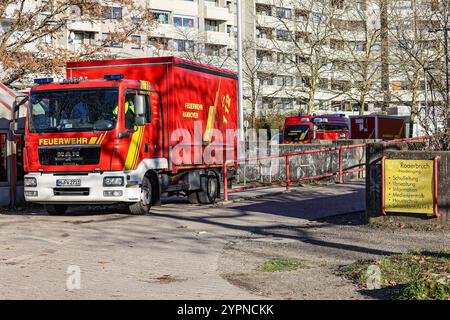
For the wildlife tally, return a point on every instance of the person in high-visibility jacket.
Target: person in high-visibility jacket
(129, 112)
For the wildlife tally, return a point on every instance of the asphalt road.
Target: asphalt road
(184, 251)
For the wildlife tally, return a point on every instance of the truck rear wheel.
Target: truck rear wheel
(56, 209)
(211, 191)
(143, 206)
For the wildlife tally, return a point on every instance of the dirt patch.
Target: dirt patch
(324, 247)
(240, 265)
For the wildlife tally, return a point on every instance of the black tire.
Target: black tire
(56, 209)
(193, 197)
(212, 189)
(145, 203)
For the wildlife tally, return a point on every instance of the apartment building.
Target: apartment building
(293, 47)
(180, 27)
(334, 46)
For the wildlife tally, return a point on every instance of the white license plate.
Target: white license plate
(68, 182)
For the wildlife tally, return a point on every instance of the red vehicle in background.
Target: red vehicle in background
(129, 131)
(305, 128)
(377, 126)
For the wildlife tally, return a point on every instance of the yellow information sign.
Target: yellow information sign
(409, 186)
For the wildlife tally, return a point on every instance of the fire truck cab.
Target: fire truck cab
(305, 128)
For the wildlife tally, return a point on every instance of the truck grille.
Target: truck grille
(69, 155)
(71, 191)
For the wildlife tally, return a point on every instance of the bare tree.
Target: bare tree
(418, 57)
(192, 44)
(359, 34)
(302, 35)
(31, 31)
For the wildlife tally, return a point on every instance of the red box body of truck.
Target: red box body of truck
(130, 130)
(377, 127)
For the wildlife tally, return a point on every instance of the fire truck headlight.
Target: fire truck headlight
(30, 182)
(113, 181)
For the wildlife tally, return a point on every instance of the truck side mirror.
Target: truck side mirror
(139, 105)
(139, 110)
(14, 127)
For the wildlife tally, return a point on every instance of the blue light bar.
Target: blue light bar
(113, 76)
(43, 80)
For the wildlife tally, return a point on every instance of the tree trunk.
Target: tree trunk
(385, 54)
(362, 102)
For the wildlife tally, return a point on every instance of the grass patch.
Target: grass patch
(420, 274)
(280, 265)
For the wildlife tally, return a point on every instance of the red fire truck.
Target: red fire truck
(305, 128)
(130, 131)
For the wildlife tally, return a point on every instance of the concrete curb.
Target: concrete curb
(223, 203)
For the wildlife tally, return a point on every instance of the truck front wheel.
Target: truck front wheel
(56, 209)
(143, 206)
(211, 189)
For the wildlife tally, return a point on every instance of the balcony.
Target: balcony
(79, 25)
(218, 13)
(220, 38)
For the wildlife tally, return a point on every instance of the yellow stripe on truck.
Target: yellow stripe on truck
(133, 151)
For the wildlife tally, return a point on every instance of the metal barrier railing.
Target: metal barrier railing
(287, 181)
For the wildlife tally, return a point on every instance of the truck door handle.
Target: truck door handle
(125, 134)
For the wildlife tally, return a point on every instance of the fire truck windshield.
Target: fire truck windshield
(296, 133)
(73, 110)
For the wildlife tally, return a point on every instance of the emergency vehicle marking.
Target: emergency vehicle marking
(212, 115)
(136, 138)
(60, 141)
(133, 151)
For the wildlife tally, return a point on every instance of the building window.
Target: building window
(213, 3)
(360, 5)
(114, 13)
(285, 81)
(263, 9)
(185, 22)
(183, 45)
(322, 84)
(135, 42)
(82, 38)
(46, 7)
(267, 102)
(338, 4)
(212, 50)
(162, 17)
(320, 18)
(283, 35)
(265, 79)
(262, 55)
(110, 40)
(337, 44)
(283, 58)
(301, 15)
(211, 25)
(287, 103)
(159, 43)
(283, 13)
(404, 5)
(359, 47)
(264, 33)
(78, 38)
